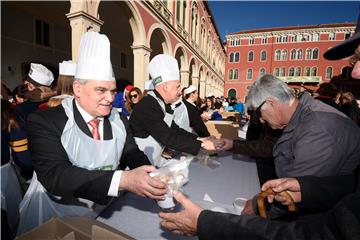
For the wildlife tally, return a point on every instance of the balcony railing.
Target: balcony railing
(301, 79)
(195, 45)
(180, 28)
(162, 9)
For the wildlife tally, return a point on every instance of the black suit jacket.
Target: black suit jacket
(342, 221)
(147, 120)
(51, 163)
(195, 120)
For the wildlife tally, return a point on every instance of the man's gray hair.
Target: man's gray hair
(81, 81)
(268, 86)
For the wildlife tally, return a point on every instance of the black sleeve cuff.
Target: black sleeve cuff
(216, 225)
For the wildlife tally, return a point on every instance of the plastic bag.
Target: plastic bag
(207, 158)
(175, 173)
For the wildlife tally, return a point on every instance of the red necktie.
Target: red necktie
(95, 128)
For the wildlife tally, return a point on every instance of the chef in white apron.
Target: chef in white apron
(181, 116)
(149, 145)
(77, 147)
(152, 119)
(187, 115)
(196, 123)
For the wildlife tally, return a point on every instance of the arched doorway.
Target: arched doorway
(184, 73)
(158, 41)
(123, 30)
(232, 93)
(193, 76)
(208, 83)
(201, 83)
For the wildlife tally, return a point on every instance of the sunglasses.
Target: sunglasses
(133, 96)
(257, 111)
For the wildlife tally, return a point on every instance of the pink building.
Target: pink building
(294, 54)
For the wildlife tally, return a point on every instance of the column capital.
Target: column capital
(84, 15)
(80, 23)
(141, 47)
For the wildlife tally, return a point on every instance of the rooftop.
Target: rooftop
(332, 25)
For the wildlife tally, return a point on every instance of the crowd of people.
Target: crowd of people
(109, 140)
(314, 158)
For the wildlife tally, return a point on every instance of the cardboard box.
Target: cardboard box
(76, 228)
(231, 114)
(223, 129)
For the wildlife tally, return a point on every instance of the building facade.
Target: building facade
(49, 32)
(294, 54)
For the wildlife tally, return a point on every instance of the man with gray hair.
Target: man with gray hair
(316, 139)
(340, 222)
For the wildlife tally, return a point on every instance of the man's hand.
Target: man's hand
(139, 182)
(205, 116)
(291, 185)
(184, 222)
(208, 144)
(226, 144)
(214, 144)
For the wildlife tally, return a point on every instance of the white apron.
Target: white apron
(11, 194)
(83, 151)
(181, 117)
(152, 148)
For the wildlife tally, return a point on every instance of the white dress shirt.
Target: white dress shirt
(115, 181)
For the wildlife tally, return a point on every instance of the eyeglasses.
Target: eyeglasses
(354, 58)
(133, 96)
(257, 111)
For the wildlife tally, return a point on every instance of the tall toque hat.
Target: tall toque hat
(94, 58)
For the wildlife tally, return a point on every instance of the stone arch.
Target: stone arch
(158, 40)
(201, 83)
(193, 72)
(134, 19)
(137, 24)
(179, 50)
(181, 57)
(124, 35)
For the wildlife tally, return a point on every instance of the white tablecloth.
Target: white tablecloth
(235, 177)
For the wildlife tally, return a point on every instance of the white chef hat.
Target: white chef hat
(163, 68)
(190, 89)
(94, 58)
(148, 85)
(210, 95)
(40, 74)
(67, 68)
